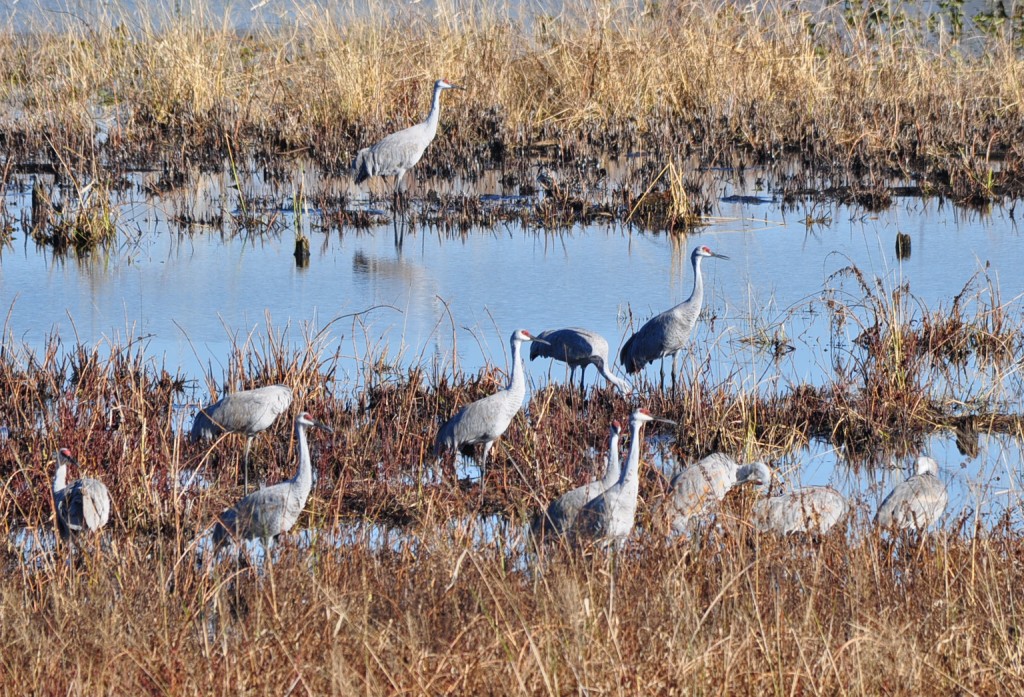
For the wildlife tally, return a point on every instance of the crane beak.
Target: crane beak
(749, 477)
(322, 426)
(719, 256)
(456, 87)
(666, 421)
(541, 341)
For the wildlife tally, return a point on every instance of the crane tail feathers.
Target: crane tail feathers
(224, 529)
(360, 168)
(626, 357)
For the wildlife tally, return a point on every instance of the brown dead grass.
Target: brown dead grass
(855, 100)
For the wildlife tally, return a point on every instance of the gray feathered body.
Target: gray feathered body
(247, 411)
(667, 333)
(915, 504)
(82, 506)
(608, 519)
(395, 154)
(264, 514)
(812, 509)
(485, 420)
(578, 348)
(693, 490)
(561, 513)
(268, 512)
(398, 152)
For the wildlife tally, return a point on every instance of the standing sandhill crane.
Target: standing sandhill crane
(608, 518)
(485, 420)
(579, 348)
(811, 509)
(562, 512)
(918, 502)
(400, 151)
(694, 489)
(668, 332)
(83, 505)
(266, 513)
(248, 412)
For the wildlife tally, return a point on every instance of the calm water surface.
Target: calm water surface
(455, 299)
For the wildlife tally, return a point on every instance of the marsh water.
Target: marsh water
(428, 296)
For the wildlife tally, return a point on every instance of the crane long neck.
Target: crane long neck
(517, 380)
(614, 379)
(304, 477)
(435, 111)
(612, 473)
(629, 472)
(697, 296)
(60, 477)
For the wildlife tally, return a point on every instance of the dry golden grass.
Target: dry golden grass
(435, 614)
(856, 99)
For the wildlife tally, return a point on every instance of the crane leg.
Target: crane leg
(674, 354)
(483, 460)
(245, 462)
(399, 199)
(583, 372)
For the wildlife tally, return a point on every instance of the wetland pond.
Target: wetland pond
(422, 295)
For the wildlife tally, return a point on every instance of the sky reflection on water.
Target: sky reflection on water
(191, 296)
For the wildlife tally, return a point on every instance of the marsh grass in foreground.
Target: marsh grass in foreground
(436, 614)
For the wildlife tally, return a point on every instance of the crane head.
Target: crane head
(926, 465)
(643, 416)
(306, 419)
(705, 251)
(443, 84)
(617, 427)
(523, 335)
(757, 473)
(64, 457)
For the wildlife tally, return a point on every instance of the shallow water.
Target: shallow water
(454, 299)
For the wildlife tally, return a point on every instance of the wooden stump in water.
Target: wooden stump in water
(902, 245)
(302, 251)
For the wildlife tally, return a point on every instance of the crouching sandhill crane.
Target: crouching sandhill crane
(668, 332)
(83, 505)
(485, 420)
(400, 151)
(248, 412)
(561, 513)
(810, 509)
(695, 489)
(578, 348)
(608, 519)
(918, 502)
(266, 513)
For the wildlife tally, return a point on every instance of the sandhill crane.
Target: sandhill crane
(668, 332)
(83, 505)
(916, 503)
(248, 412)
(485, 420)
(400, 151)
(608, 519)
(562, 512)
(811, 509)
(694, 489)
(266, 513)
(578, 348)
